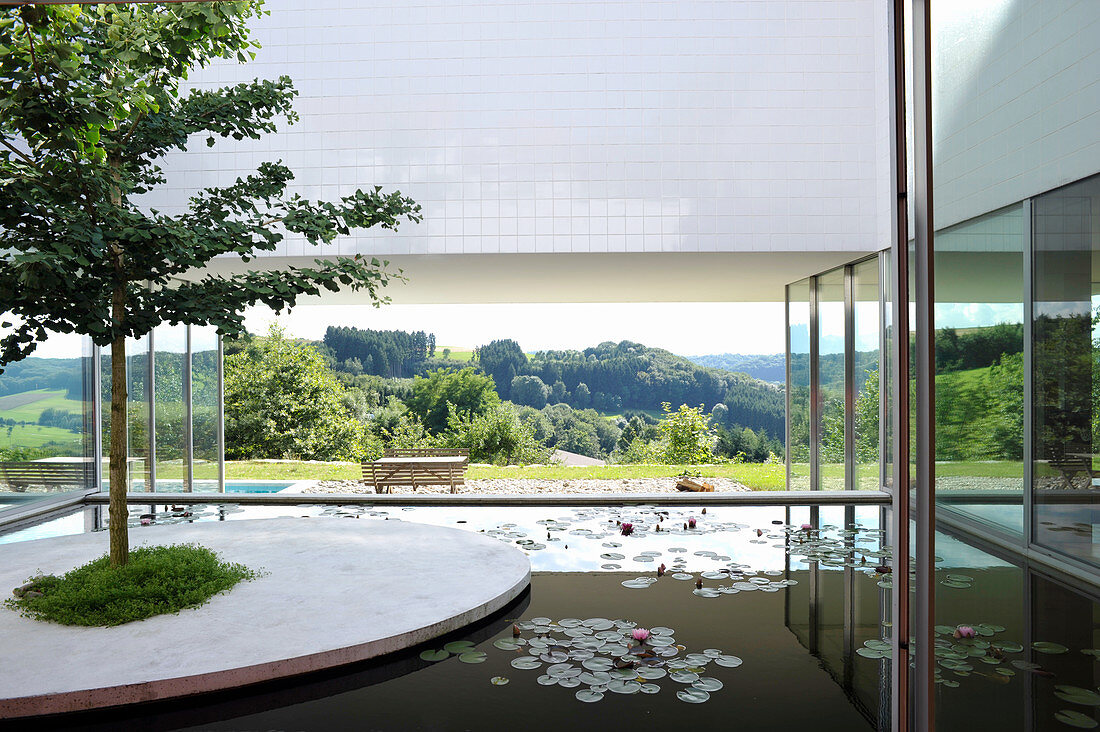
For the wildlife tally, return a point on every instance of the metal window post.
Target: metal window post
(151, 395)
(787, 339)
(850, 388)
(900, 707)
(925, 369)
(815, 390)
(1029, 383)
(219, 410)
(188, 431)
(97, 416)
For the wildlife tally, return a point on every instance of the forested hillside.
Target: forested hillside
(613, 377)
(394, 354)
(765, 366)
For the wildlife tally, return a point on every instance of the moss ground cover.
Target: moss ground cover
(157, 580)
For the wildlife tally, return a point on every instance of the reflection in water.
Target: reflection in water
(800, 597)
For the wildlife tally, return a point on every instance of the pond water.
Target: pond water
(755, 621)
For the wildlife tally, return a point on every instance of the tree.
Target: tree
(686, 434)
(467, 391)
(281, 401)
(502, 360)
(530, 391)
(89, 101)
(582, 397)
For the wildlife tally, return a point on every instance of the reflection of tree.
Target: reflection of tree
(1063, 384)
(799, 448)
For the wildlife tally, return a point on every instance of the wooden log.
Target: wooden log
(687, 484)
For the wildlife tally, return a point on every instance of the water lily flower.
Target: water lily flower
(661, 571)
(807, 527)
(965, 631)
(146, 521)
(691, 523)
(759, 532)
(640, 634)
(626, 529)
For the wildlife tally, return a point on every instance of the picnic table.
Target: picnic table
(387, 472)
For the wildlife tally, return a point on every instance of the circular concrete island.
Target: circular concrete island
(334, 591)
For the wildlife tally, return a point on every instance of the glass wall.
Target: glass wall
(979, 338)
(867, 353)
(1065, 356)
(831, 372)
(798, 385)
(205, 388)
(46, 445)
(835, 331)
(173, 446)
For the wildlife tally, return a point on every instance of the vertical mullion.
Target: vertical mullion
(815, 390)
(1029, 314)
(220, 418)
(883, 376)
(787, 340)
(151, 412)
(188, 431)
(850, 477)
(900, 707)
(923, 268)
(97, 416)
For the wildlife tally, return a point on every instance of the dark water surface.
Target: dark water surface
(808, 634)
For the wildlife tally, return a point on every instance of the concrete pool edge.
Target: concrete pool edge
(749, 498)
(482, 589)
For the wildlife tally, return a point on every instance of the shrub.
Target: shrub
(157, 580)
(496, 436)
(686, 435)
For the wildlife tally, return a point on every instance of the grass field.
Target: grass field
(755, 475)
(455, 355)
(37, 436)
(26, 406)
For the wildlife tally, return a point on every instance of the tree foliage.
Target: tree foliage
(90, 101)
(281, 401)
(467, 391)
(392, 353)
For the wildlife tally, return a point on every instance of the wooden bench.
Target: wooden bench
(418, 469)
(1071, 464)
(415, 452)
(49, 475)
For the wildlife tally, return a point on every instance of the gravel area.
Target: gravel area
(504, 486)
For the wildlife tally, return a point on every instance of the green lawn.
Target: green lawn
(37, 436)
(755, 475)
(26, 406)
(455, 355)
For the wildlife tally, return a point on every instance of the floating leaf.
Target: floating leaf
(473, 657)
(526, 663)
(589, 696)
(692, 696)
(434, 655)
(728, 661)
(457, 647)
(707, 683)
(498, 680)
(1077, 695)
(1049, 647)
(1076, 719)
(506, 644)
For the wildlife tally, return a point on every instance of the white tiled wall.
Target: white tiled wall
(1016, 101)
(534, 126)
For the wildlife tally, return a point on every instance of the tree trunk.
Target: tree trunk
(120, 540)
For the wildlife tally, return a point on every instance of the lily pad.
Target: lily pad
(1076, 719)
(458, 647)
(692, 696)
(527, 663)
(434, 656)
(499, 680)
(624, 686)
(506, 644)
(707, 683)
(728, 661)
(588, 696)
(473, 657)
(1049, 647)
(1077, 695)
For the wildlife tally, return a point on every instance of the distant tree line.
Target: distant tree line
(388, 353)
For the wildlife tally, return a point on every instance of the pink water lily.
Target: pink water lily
(965, 631)
(807, 527)
(640, 634)
(626, 529)
(691, 523)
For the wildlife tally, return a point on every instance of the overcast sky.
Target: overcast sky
(685, 328)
